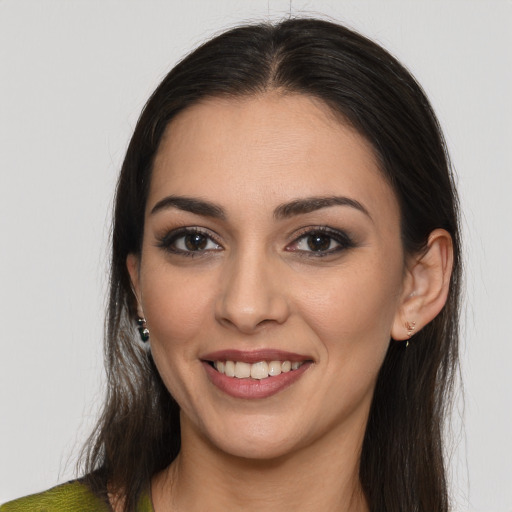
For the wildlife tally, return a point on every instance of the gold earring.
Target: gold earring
(410, 326)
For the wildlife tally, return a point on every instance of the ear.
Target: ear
(132, 265)
(426, 285)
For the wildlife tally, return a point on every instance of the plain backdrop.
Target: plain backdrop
(74, 76)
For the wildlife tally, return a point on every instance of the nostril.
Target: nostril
(249, 296)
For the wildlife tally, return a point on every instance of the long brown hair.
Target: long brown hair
(402, 466)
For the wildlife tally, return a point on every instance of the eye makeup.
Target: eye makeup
(309, 242)
(189, 241)
(320, 241)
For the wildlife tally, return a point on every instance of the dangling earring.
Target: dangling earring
(410, 326)
(143, 330)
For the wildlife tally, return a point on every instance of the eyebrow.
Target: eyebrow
(190, 204)
(311, 204)
(283, 211)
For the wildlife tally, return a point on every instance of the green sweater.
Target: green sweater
(70, 497)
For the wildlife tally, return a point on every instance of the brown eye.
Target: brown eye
(195, 241)
(319, 242)
(189, 242)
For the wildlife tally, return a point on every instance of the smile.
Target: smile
(254, 374)
(259, 371)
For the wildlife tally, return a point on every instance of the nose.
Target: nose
(252, 294)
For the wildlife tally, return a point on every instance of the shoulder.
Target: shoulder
(70, 497)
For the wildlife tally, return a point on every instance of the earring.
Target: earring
(410, 326)
(143, 330)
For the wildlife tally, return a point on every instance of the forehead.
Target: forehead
(267, 148)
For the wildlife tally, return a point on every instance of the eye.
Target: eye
(188, 241)
(321, 242)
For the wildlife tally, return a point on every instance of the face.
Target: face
(271, 252)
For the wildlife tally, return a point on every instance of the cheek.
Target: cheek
(176, 304)
(355, 308)
(351, 321)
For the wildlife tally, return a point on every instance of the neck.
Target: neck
(322, 476)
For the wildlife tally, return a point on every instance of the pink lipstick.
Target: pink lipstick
(254, 374)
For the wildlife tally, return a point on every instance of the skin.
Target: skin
(257, 284)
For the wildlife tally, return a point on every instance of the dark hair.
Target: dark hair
(402, 466)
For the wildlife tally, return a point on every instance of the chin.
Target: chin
(264, 439)
(260, 449)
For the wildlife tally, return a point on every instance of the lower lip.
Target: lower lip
(254, 388)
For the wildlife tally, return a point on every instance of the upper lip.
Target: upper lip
(254, 356)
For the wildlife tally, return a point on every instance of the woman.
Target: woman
(286, 247)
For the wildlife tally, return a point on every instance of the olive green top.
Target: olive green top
(70, 497)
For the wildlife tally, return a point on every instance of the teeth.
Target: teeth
(242, 370)
(286, 366)
(274, 368)
(229, 368)
(259, 371)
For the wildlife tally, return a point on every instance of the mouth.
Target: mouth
(255, 374)
(258, 371)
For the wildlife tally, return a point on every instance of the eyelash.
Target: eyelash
(168, 241)
(343, 240)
